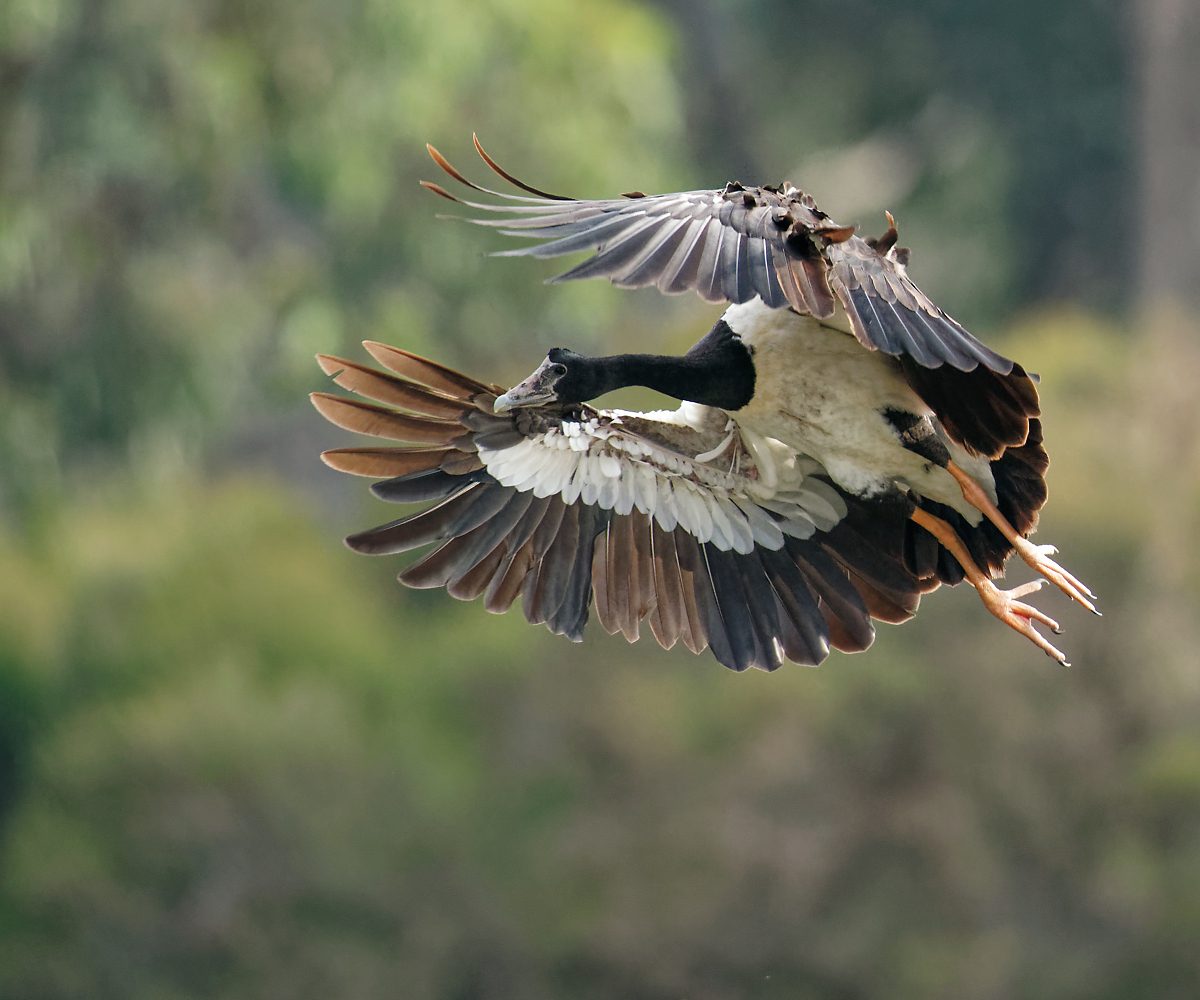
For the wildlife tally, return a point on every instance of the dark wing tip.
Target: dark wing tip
(437, 189)
(448, 167)
(496, 168)
(331, 365)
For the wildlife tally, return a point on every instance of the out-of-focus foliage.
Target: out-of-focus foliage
(196, 199)
(237, 761)
(999, 133)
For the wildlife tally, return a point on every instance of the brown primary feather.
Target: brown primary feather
(474, 583)
(619, 552)
(389, 389)
(600, 591)
(427, 372)
(691, 627)
(667, 621)
(515, 562)
(384, 463)
(694, 570)
(881, 605)
(842, 637)
(447, 166)
(379, 421)
(511, 577)
(571, 616)
(459, 463)
(437, 189)
(643, 562)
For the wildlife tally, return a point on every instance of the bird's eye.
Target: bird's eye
(559, 370)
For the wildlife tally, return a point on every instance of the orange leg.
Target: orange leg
(1037, 557)
(1004, 604)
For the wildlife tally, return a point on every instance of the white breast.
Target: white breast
(820, 391)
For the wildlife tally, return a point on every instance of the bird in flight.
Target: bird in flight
(842, 445)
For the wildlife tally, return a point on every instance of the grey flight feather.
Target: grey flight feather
(732, 244)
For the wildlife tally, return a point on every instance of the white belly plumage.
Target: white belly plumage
(818, 390)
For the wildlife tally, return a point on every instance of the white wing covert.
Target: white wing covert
(659, 464)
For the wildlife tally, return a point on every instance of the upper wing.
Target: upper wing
(733, 244)
(623, 509)
(889, 312)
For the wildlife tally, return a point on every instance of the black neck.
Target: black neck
(718, 371)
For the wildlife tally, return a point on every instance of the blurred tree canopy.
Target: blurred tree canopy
(237, 761)
(195, 200)
(965, 118)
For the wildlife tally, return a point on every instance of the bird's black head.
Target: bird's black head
(564, 377)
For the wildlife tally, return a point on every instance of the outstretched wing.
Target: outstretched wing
(563, 509)
(733, 244)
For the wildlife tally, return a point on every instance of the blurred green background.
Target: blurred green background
(238, 761)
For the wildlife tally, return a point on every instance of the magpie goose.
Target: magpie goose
(829, 360)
